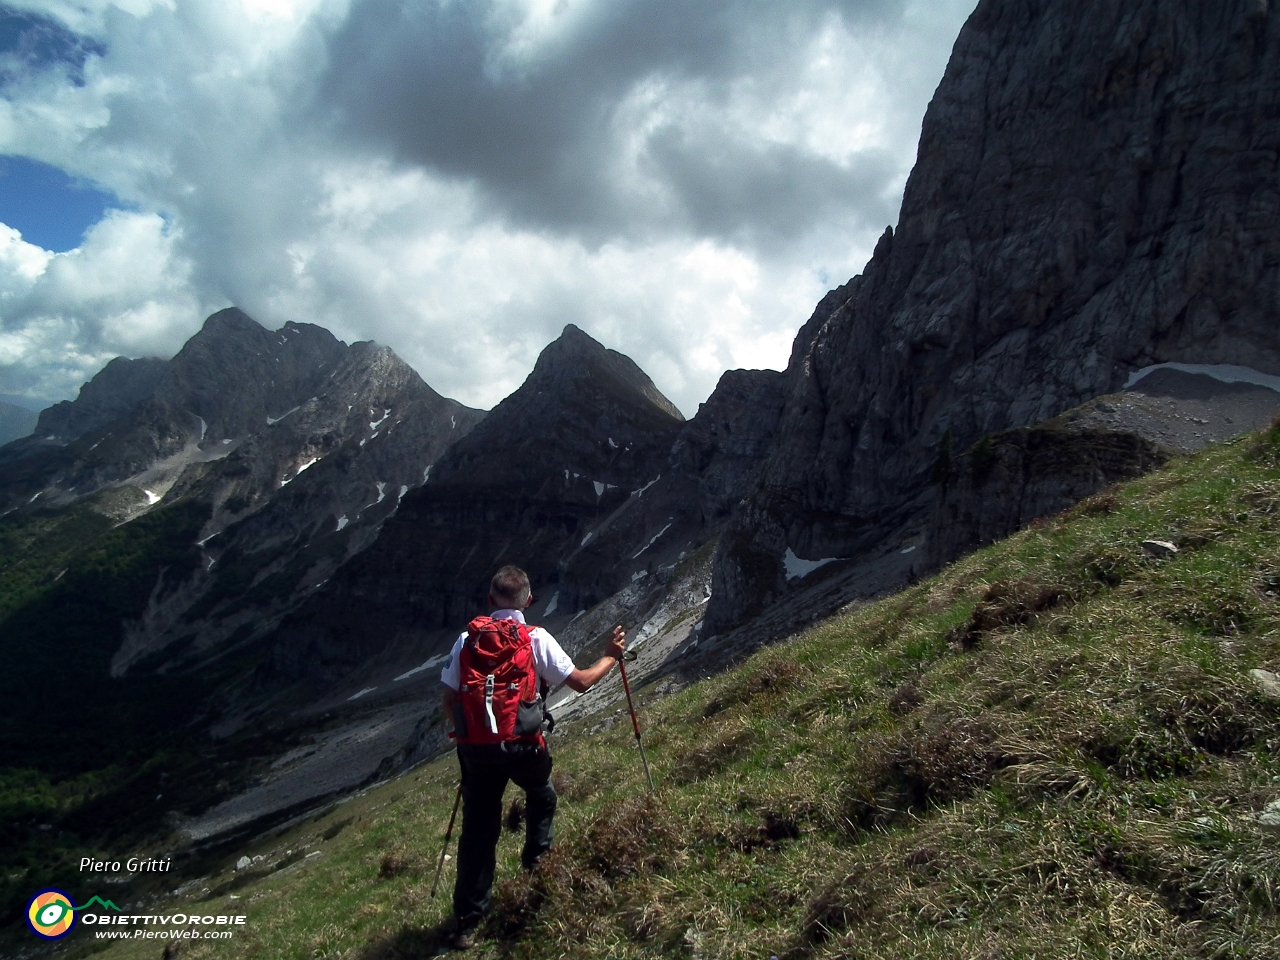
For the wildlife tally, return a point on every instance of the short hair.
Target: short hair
(510, 585)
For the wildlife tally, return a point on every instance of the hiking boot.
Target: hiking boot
(464, 938)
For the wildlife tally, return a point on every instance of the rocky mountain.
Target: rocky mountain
(1095, 194)
(584, 434)
(257, 465)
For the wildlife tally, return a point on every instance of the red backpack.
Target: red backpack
(498, 696)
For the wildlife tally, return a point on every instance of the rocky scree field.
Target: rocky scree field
(1064, 745)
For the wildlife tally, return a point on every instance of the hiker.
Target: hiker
(498, 728)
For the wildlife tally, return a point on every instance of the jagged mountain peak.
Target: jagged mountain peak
(229, 318)
(235, 374)
(584, 407)
(576, 355)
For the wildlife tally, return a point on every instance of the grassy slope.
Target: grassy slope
(1051, 749)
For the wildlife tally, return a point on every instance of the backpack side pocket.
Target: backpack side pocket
(528, 717)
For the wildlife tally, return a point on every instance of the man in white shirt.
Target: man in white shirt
(486, 768)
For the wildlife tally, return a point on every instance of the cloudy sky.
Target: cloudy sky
(457, 179)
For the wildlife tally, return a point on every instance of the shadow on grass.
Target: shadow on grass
(410, 943)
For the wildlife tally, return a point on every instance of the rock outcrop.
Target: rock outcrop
(1095, 193)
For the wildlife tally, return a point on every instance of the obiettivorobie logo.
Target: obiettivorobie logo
(52, 914)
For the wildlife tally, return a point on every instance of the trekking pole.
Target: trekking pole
(635, 724)
(447, 834)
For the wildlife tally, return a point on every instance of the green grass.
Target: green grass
(1050, 749)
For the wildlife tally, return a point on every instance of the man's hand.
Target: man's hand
(617, 643)
(583, 680)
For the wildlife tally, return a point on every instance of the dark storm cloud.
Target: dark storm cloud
(545, 137)
(756, 194)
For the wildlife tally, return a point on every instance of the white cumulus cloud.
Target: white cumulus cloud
(459, 180)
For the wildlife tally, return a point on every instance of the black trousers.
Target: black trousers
(485, 772)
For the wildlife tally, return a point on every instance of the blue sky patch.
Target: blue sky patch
(30, 43)
(48, 207)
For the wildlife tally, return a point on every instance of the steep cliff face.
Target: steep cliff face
(1096, 191)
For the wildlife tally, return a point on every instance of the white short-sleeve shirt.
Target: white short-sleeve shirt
(550, 661)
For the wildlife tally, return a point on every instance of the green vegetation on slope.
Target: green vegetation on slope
(83, 757)
(65, 593)
(1051, 749)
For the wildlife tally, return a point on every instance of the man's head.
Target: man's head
(509, 589)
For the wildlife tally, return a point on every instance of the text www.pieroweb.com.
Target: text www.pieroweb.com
(177, 927)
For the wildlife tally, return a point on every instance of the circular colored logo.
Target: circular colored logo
(51, 914)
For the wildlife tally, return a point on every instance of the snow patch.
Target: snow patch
(639, 574)
(404, 488)
(33, 499)
(799, 567)
(577, 615)
(225, 442)
(271, 420)
(152, 498)
(382, 494)
(425, 666)
(1224, 372)
(599, 488)
(586, 538)
(653, 541)
(426, 474)
(298, 472)
(342, 522)
(612, 445)
(204, 427)
(357, 696)
(908, 549)
(453, 423)
(640, 492)
(373, 425)
(555, 602)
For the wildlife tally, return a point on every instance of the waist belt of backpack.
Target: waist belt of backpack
(488, 704)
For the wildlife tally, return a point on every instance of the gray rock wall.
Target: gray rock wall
(1096, 190)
